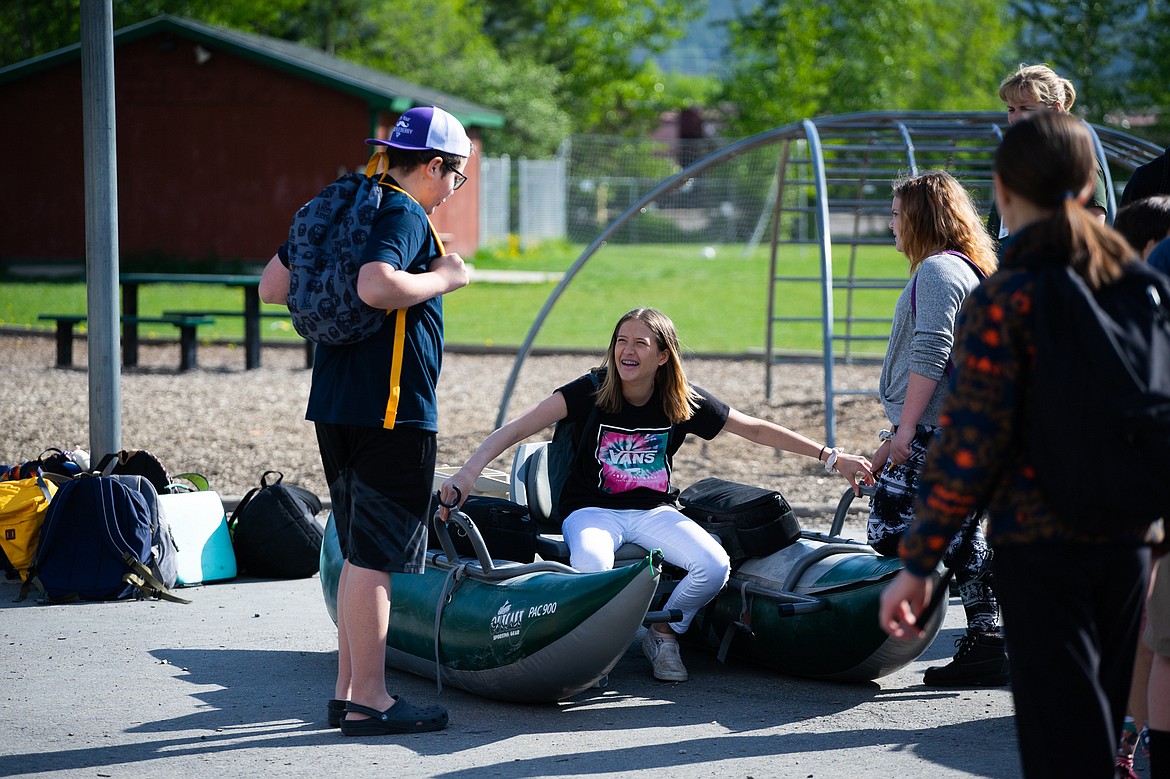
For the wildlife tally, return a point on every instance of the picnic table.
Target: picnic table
(250, 283)
(186, 324)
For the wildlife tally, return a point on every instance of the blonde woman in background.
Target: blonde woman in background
(1031, 89)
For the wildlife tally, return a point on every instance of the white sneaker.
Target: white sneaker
(662, 652)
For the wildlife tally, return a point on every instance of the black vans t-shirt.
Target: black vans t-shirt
(624, 460)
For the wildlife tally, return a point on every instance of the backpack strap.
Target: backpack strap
(372, 169)
(106, 465)
(239, 510)
(144, 580)
(914, 282)
(950, 367)
(970, 263)
(391, 415)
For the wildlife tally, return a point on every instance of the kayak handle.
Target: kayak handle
(455, 503)
(488, 570)
(464, 525)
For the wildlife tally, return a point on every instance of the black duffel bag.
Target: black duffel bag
(749, 521)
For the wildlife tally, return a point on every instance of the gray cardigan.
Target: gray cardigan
(922, 343)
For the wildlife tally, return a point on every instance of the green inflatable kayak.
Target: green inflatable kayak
(808, 609)
(513, 632)
(811, 609)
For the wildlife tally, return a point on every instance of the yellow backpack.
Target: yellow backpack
(23, 503)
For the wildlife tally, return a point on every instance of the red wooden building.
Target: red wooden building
(221, 136)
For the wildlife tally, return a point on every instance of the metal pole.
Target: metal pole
(817, 157)
(667, 185)
(773, 268)
(101, 226)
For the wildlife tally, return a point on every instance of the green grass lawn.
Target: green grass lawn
(719, 304)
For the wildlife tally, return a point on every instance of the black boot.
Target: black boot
(979, 662)
(1159, 754)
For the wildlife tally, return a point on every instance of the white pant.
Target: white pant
(594, 535)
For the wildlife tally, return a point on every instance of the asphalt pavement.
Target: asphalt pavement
(235, 684)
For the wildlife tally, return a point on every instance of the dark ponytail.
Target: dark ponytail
(1048, 160)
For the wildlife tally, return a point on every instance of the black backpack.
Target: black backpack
(1101, 397)
(274, 533)
(508, 530)
(749, 521)
(136, 462)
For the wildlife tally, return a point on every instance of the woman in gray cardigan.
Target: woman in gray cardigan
(937, 227)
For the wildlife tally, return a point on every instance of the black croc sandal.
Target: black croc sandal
(402, 717)
(336, 712)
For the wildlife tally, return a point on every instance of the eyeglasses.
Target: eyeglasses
(460, 179)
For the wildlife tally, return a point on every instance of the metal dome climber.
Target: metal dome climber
(821, 185)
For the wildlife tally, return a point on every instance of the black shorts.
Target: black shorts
(380, 483)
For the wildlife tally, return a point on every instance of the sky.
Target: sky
(701, 51)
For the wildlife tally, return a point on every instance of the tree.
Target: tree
(794, 59)
(29, 28)
(1150, 79)
(398, 38)
(524, 92)
(592, 44)
(1090, 43)
(454, 57)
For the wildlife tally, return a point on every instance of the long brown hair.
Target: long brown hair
(1048, 160)
(938, 214)
(679, 399)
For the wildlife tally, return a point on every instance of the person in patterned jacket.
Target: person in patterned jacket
(1071, 600)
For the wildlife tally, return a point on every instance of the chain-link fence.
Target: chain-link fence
(594, 178)
(495, 212)
(807, 206)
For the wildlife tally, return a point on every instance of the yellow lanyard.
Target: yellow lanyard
(400, 319)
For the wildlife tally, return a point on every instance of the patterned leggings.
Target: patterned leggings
(891, 512)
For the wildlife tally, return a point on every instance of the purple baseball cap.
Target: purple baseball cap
(428, 127)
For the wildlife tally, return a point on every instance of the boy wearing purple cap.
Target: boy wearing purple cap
(374, 407)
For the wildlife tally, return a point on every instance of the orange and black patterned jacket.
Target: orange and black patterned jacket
(983, 458)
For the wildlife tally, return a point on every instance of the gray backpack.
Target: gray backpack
(325, 245)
